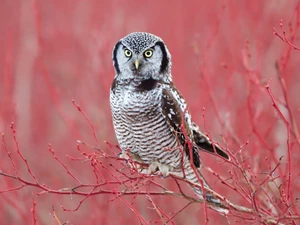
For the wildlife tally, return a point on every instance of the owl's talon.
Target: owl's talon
(164, 169)
(155, 167)
(123, 155)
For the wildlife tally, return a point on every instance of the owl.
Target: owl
(150, 116)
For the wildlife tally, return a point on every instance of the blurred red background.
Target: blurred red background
(223, 52)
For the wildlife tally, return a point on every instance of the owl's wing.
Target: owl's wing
(173, 113)
(203, 142)
(173, 106)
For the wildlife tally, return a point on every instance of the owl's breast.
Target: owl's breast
(141, 127)
(136, 106)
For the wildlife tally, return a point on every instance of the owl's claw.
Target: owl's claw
(156, 167)
(132, 160)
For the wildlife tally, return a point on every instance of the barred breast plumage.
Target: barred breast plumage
(150, 116)
(141, 127)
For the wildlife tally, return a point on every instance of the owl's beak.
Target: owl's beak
(136, 64)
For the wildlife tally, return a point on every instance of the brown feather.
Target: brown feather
(174, 115)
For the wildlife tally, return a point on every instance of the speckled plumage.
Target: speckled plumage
(149, 114)
(138, 41)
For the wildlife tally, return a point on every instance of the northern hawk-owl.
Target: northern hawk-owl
(150, 117)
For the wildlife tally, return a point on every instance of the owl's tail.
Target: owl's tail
(212, 201)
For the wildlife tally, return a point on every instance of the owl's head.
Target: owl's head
(141, 56)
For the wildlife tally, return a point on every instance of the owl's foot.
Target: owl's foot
(132, 160)
(156, 167)
(130, 156)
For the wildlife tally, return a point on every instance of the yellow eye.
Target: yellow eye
(148, 53)
(127, 53)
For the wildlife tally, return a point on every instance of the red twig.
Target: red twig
(11, 189)
(200, 179)
(88, 120)
(61, 163)
(80, 202)
(289, 164)
(179, 211)
(20, 153)
(56, 218)
(284, 37)
(124, 201)
(33, 211)
(160, 212)
(9, 155)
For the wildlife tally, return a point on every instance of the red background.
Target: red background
(223, 53)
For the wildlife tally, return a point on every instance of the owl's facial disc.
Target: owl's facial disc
(140, 56)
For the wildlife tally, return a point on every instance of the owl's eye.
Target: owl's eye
(127, 53)
(148, 53)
